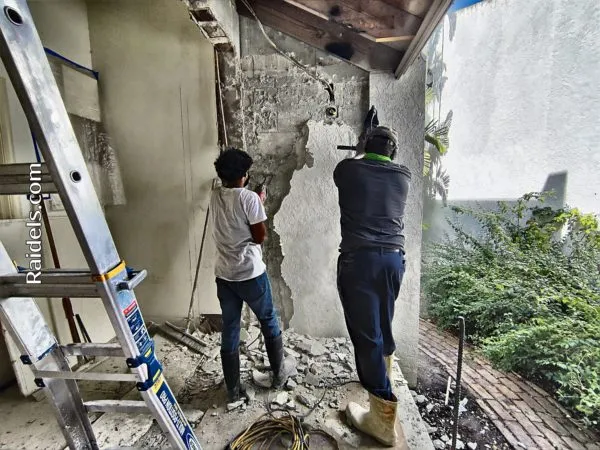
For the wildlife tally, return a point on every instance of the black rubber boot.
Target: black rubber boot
(282, 368)
(231, 372)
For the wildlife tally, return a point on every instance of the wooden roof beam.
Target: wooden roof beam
(321, 33)
(434, 16)
(417, 8)
(375, 19)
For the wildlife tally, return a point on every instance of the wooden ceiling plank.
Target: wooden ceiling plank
(374, 17)
(416, 7)
(325, 35)
(434, 16)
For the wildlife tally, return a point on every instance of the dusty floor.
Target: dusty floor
(325, 380)
(28, 424)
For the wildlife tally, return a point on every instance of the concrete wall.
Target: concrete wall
(294, 145)
(308, 224)
(278, 100)
(225, 14)
(63, 27)
(401, 104)
(158, 103)
(522, 83)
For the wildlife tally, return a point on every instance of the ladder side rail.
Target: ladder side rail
(23, 55)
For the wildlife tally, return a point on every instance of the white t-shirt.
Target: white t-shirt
(233, 210)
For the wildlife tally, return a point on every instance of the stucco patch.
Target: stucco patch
(309, 229)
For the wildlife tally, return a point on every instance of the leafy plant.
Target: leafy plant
(437, 181)
(528, 284)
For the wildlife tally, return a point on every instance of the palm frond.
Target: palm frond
(426, 162)
(429, 95)
(441, 183)
(437, 143)
(448, 120)
(440, 132)
(430, 127)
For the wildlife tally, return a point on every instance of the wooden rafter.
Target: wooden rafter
(418, 8)
(319, 31)
(435, 13)
(375, 19)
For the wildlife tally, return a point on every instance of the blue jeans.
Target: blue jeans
(368, 284)
(257, 294)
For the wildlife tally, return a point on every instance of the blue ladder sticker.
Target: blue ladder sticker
(131, 311)
(170, 405)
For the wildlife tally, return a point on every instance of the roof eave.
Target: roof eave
(434, 16)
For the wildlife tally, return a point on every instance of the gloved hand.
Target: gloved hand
(371, 121)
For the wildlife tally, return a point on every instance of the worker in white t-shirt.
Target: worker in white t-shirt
(239, 229)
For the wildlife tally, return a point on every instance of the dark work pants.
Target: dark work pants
(368, 284)
(255, 292)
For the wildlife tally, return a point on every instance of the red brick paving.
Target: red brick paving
(527, 416)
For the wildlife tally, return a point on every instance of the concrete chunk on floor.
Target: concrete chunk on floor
(219, 427)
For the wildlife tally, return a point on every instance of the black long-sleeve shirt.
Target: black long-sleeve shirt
(372, 199)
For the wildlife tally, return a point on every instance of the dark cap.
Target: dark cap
(383, 132)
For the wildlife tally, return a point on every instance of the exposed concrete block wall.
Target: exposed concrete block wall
(226, 17)
(401, 105)
(277, 101)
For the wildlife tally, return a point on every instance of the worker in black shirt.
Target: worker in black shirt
(372, 197)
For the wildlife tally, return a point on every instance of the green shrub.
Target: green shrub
(528, 285)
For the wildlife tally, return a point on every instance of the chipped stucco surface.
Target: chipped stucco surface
(308, 225)
(401, 105)
(276, 101)
(308, 220)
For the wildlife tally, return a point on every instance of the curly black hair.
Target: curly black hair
(233, 164)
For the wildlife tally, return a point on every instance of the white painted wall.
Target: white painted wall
(63, 27)
(157, 94)
(523, 85)
(401, 105)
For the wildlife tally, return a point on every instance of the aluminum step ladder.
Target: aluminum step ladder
(65, 172)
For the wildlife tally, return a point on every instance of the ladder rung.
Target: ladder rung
(48, 290)
(52, 283)
(59, 283)
(92, 349)
(17, 178)
(52, 276)
(120, 406)
(24, 169)
(90, 376)
(24, 188)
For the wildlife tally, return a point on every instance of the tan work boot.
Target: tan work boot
(379, 421)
